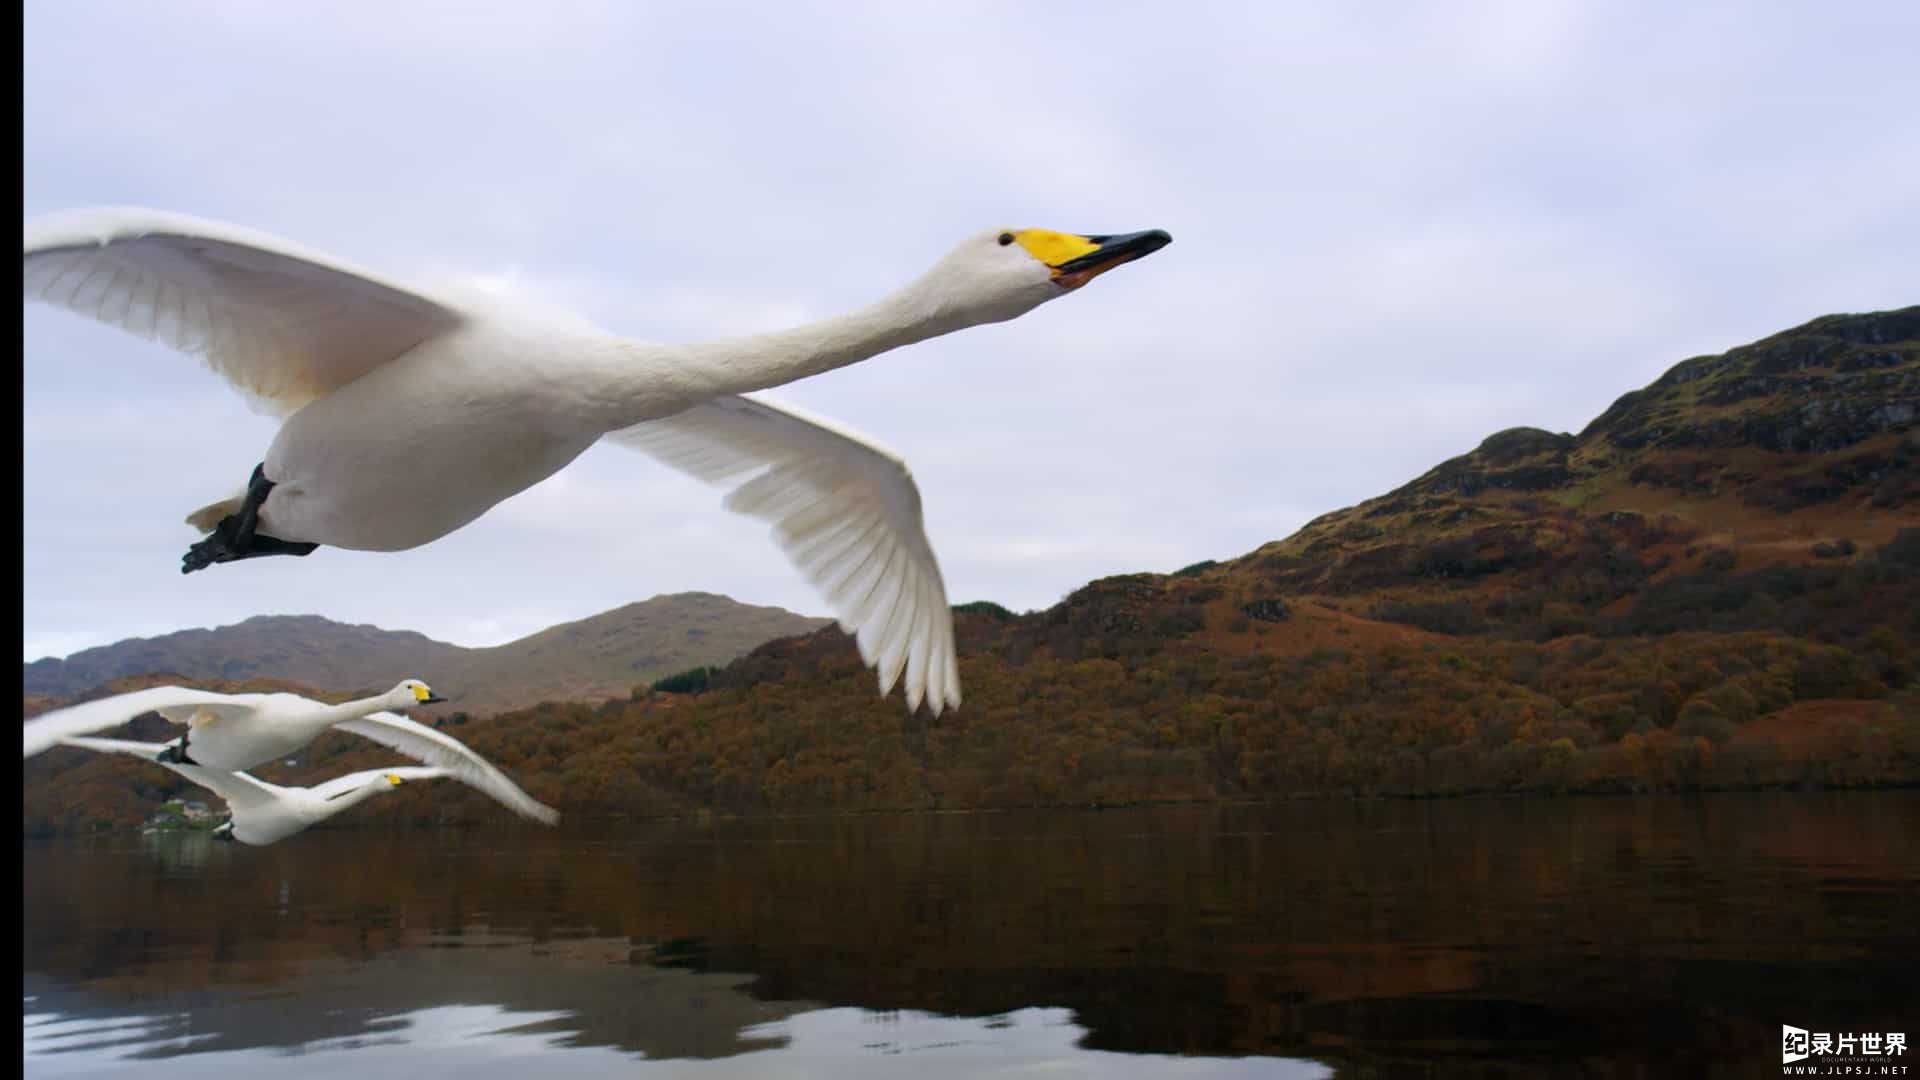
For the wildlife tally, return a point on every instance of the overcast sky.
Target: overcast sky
(1397, 229)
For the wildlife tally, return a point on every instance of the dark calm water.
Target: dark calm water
(1593, 937)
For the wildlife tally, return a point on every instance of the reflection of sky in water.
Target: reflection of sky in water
(486, 1040)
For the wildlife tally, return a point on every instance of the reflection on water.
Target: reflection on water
(1485, 938)
(586, 992)
(488, 1040)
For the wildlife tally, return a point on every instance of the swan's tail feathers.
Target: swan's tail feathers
(204, 519)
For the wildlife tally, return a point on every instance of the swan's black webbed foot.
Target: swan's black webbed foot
(227, 544)
(234, 539)
(176, 753)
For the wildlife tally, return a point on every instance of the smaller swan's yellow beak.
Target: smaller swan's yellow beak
(394, 780)
(1076, 263)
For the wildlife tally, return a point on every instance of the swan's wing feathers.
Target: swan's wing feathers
(423, 743)
(281, 323)
(845, 510)
(48, 728)
(114, 746)
(240, 790)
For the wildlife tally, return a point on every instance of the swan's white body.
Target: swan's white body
(228, 733)
(263, 813)
(408, 415)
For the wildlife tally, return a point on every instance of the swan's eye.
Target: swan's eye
(1006, 238)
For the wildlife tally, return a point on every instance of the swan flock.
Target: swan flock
(406, 414)
(230, 733)
(260, 813)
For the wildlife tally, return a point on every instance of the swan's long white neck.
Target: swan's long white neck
(309, 807)
(354, 710)
(762, 361)
(326, 808)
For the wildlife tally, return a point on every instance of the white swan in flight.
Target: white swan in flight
(407, 415)
(231, 732)
(261, 813)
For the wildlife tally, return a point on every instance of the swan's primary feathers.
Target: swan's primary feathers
(409, 415)
(436, 748)
(283, 324)
(844, 509)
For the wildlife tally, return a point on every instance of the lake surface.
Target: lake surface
(1597, 937)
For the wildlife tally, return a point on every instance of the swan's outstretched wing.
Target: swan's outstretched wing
(176, 703)
(281, 323)
(341, 785)
(845, 510)
(240, 790)
(422, 743)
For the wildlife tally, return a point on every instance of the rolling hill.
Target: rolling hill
(1715, 584)
(603, 656)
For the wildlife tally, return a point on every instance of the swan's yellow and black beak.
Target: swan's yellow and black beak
(426, 697)
(395, 779)
(1076, 260)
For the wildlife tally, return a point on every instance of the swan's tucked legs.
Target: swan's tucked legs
(176, 752)
(234, 538)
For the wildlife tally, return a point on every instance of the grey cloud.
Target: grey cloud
(1396, 232)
